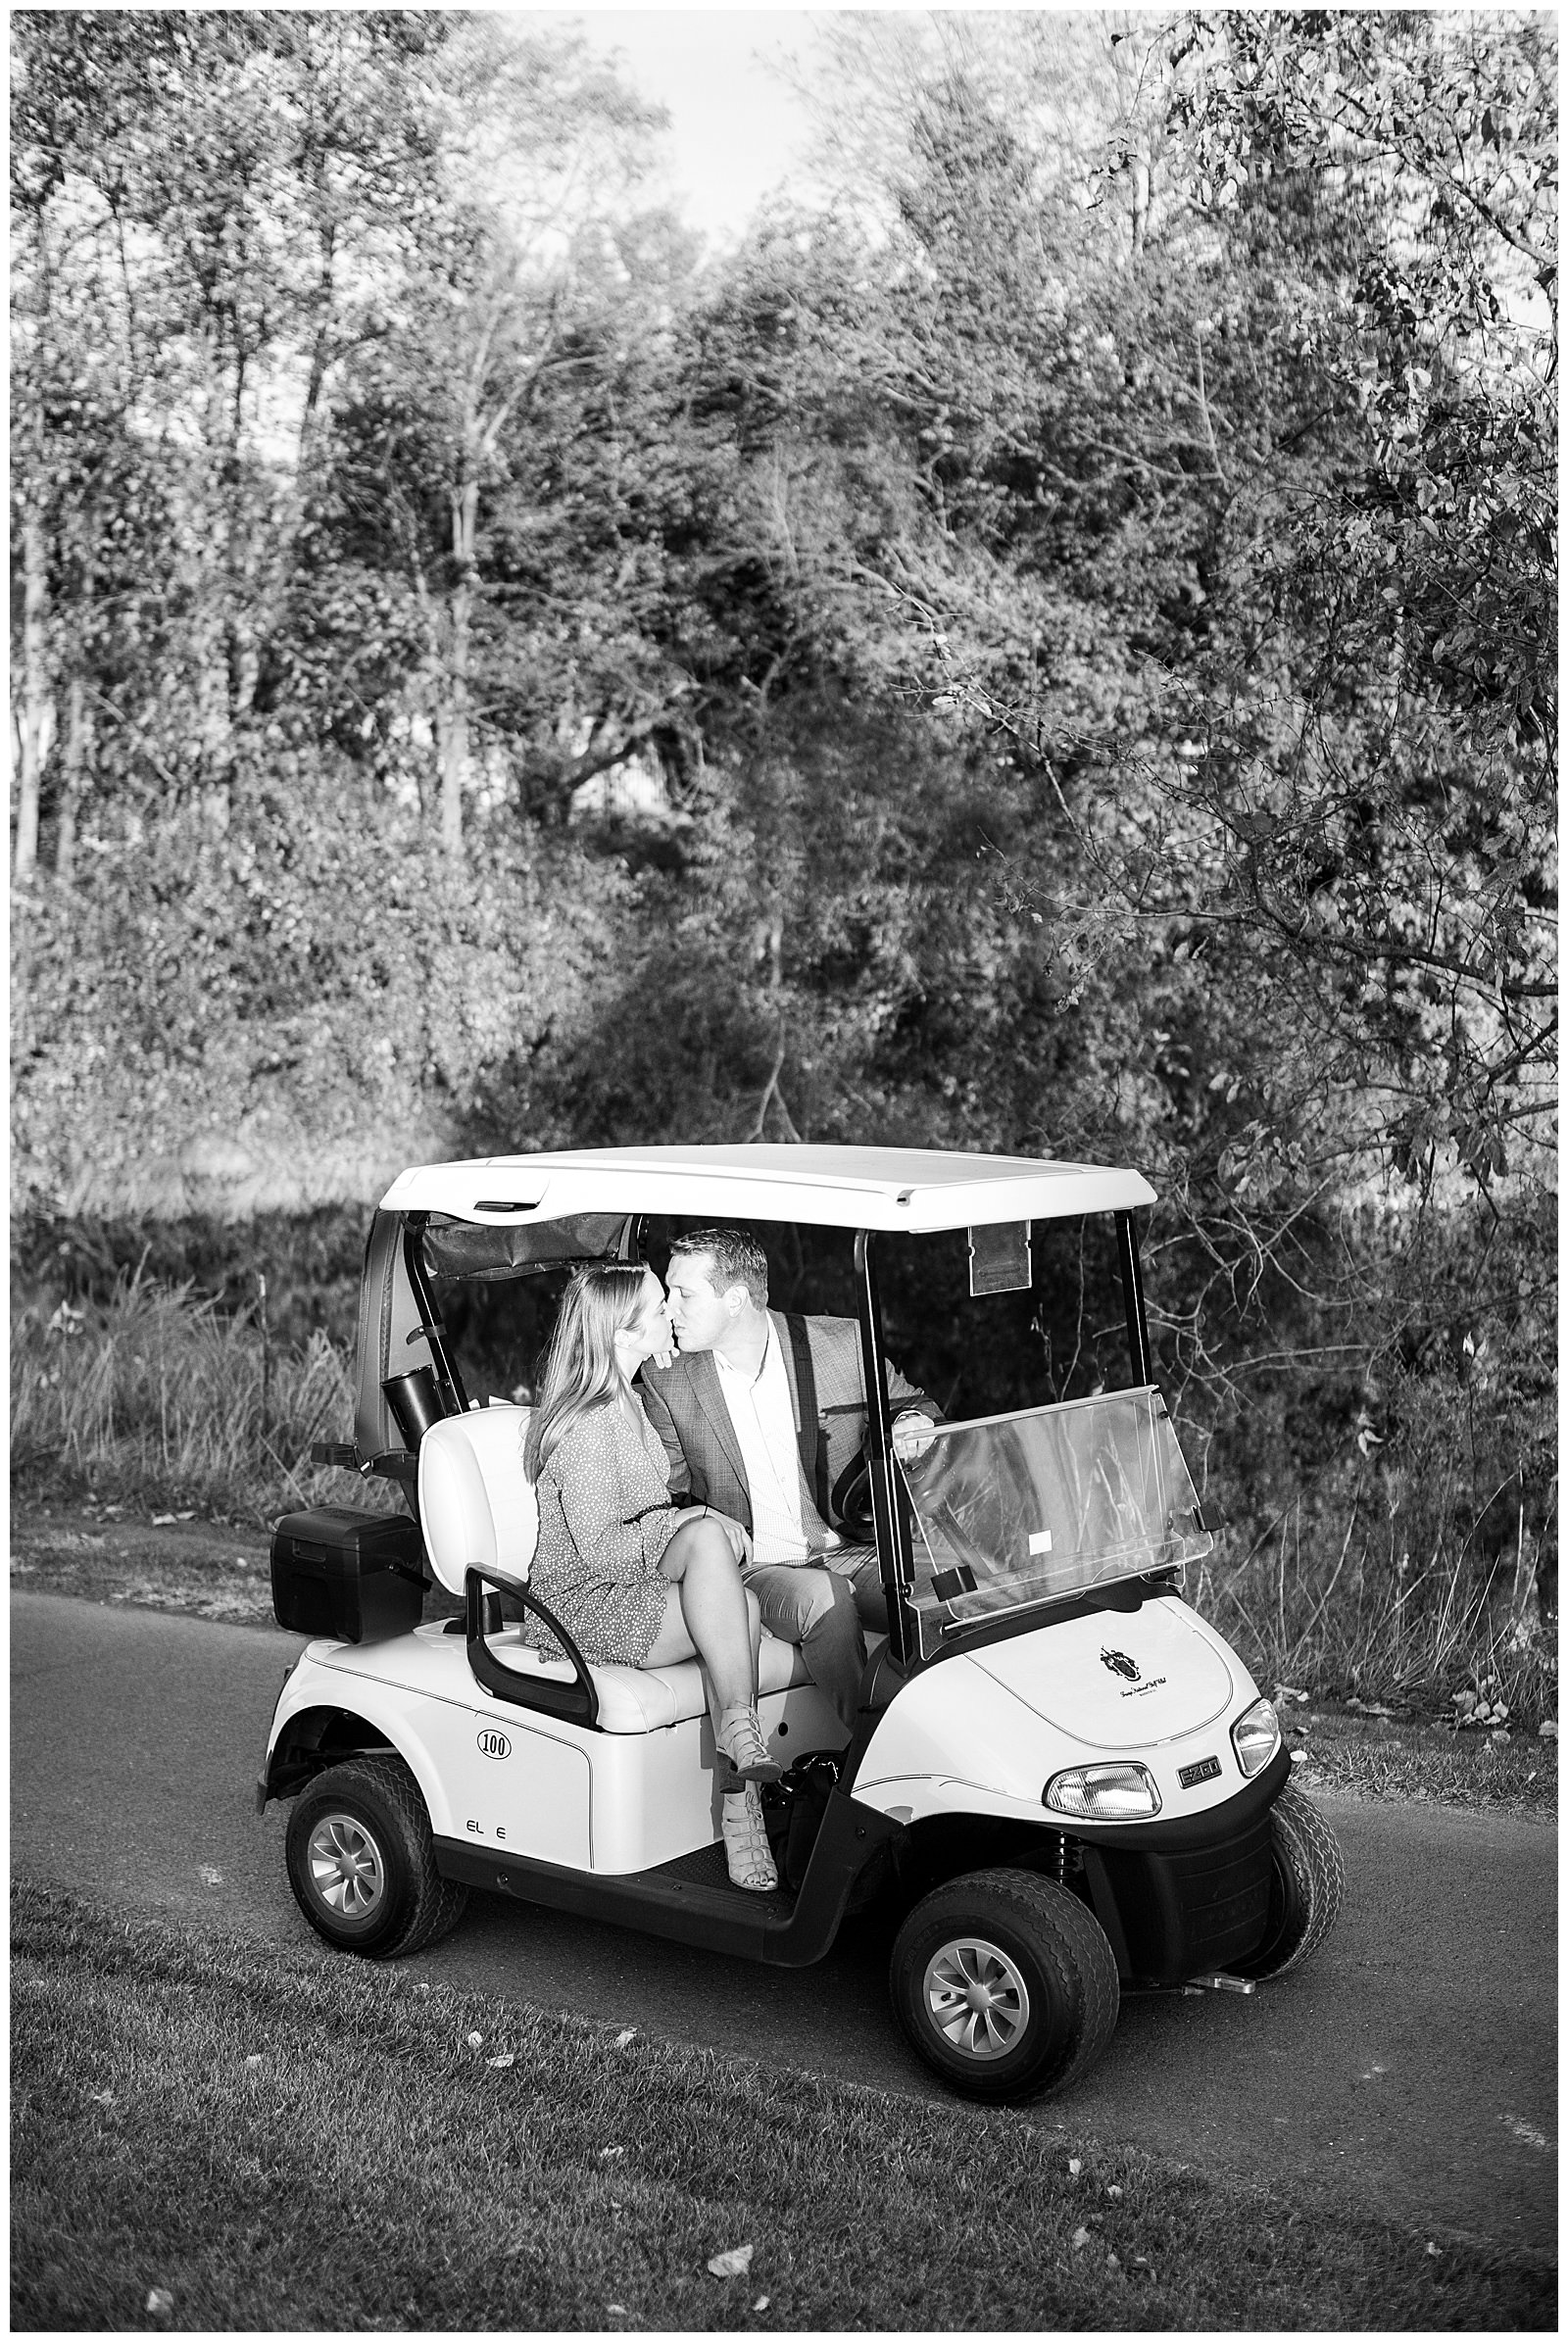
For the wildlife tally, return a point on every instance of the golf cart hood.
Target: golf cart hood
(1119, 1680)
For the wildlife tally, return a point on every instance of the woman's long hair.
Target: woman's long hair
(580, 1370)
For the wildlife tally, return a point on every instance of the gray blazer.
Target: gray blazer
(686, 1408)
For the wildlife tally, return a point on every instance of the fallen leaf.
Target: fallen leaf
(160, 2302)
(760, 2303)
(476, 2041)
(507, 2056)
(630, 2034)
(1112, 2260)
(613, 2155)
(1080, 2237)
(1548, 1730)
(733, 2264)
(617, 2309)
(163, 1520)
(1435, 2250)
(1075, 2164)
(101, 2097)
(185, 1516)
(1114, 2191)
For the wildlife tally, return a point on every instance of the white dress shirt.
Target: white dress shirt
(764, 1417)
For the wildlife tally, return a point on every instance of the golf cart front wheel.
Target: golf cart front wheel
(1004, 1985)
(361, 1862)
(1306, 1881)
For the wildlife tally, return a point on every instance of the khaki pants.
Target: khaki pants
(825, 1606)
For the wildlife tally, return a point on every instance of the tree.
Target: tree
(511, 286)
(197, 196)
(1323, 760)
(1382, 809)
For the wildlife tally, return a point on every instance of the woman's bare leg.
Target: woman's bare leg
(720, 1619)
(701, 1618)
(671, 1644)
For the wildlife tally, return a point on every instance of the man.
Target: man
(760, 1416)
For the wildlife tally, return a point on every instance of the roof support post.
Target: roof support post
(1131, 1294)
(889, 1504)
(431, 1320)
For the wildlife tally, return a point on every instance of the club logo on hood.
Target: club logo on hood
(1120, 1665)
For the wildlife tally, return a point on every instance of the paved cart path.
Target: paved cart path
(1410, 2070)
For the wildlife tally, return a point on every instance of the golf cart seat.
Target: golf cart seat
(478, 1511)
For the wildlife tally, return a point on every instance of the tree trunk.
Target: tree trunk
(35, 705)
(207, 568)
(1129, 54)
(1140, 171)
(453, 730)
(78, 741)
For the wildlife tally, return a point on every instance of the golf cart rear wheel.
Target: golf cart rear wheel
(1006, 1985)
(1306, 1880)
(361, 1862)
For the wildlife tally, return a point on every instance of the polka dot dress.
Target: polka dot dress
(605, 1520)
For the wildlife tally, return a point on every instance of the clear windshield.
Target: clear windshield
(1031, 1508)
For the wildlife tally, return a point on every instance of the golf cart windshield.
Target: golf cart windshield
(1038, 1507)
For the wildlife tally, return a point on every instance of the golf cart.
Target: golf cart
(1066, 1779)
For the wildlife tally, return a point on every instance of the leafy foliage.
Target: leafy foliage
(1051, 651)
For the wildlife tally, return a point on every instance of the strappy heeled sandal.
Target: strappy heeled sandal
(738, 1738)
(745, 1848)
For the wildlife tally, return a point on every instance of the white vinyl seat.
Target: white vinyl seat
(478, 1511)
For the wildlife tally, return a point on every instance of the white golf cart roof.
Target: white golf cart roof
(903, 1188)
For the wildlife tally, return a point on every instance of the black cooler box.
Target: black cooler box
(354, 1575)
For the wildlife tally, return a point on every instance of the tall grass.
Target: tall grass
(1325, 1600)
(160, 1396)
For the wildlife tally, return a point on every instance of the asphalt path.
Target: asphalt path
(1410, 2070)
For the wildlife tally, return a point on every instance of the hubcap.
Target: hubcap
(976, 1998)
(346, 1870)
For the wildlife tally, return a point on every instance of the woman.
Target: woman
(635, 1581)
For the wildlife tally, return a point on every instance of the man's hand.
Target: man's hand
(913, 1434)
(740, 1541)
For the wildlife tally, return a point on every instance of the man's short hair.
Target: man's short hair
(738, 1259)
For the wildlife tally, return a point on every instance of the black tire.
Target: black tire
(362, 1862)
(1039, 1960)
(1307, 1884)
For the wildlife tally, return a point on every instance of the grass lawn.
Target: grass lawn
(1412, 1756)
(209, 2136)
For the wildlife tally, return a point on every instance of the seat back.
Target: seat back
(477, 1507)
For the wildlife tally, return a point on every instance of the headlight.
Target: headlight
(1104, 1794)
(1254, 1737)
